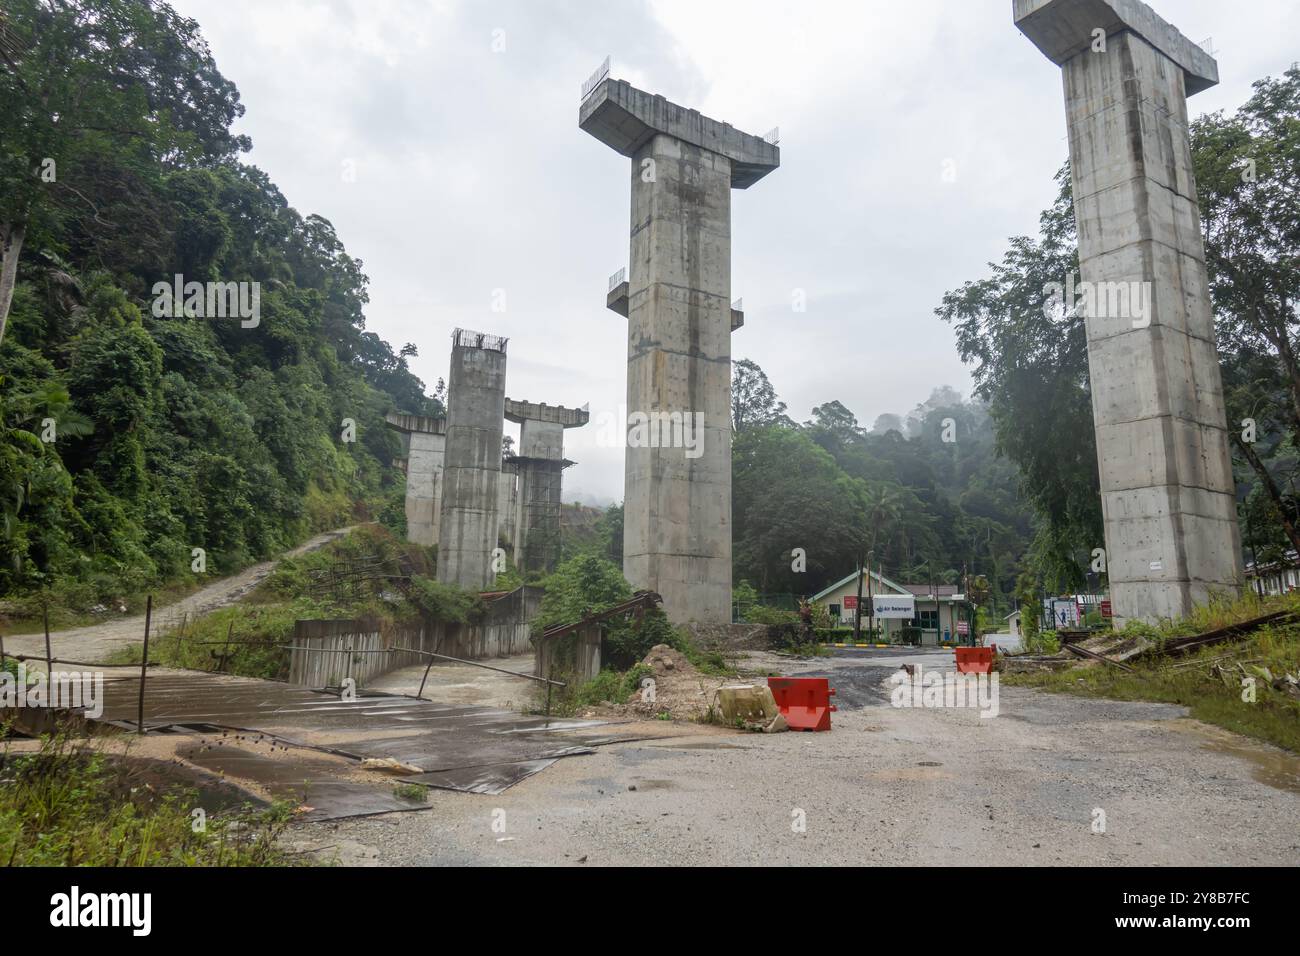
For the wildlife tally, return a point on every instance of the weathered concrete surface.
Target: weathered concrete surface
(616, 301)
(677, 489)
(523, 412)
(1064, 28)
(886, 786)
(540, 465)
(537, 542)
(626, 119)
(464, 684)
(426, 446)
(476, 395)
(1166, 479)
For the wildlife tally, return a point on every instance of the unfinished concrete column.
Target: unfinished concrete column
(1157, 396)
(677, 481)
(476, 395)
(425, 440)
(540, 464)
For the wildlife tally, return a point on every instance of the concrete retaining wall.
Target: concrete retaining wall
(337, 646)
(344, 648)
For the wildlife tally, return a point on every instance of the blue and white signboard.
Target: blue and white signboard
(898, 607)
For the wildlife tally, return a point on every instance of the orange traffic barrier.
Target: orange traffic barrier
(974, 660)
(804, 702)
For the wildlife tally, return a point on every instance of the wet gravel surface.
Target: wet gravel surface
(888, 785)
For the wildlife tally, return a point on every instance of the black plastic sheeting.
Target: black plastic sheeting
(471, 749)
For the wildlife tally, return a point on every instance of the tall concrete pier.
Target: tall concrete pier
(540, 464)
(426, 442)
(476, 396)
(1157, 396)
(677, 480)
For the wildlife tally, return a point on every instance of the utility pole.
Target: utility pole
(934, 591)
(857, 610)
(871, 615)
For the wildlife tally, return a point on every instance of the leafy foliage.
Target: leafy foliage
(173, 433)
(1031, 366)
(918, 504)
(1031, 362)
(586, 584)
(445, 602)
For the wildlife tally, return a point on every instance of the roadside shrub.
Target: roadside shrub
(821, 617)
(446, 602)
(626, 643)
(770, 616)
(582, 585)
(1041, 642)
(789, 635)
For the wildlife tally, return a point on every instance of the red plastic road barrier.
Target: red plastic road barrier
(974, 660)
(804, 702)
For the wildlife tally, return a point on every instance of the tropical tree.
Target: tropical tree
(1248, 177)
(1031, 365)
(753, 400)
(98, 95)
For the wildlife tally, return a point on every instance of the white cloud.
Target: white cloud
(472, 174)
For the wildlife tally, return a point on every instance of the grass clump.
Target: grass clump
(257, 634)
(411, 791)
(1222, 684)
(67, 806)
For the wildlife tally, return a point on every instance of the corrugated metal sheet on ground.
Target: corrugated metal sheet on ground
(474, 749)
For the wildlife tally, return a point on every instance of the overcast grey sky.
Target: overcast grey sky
(459, 120)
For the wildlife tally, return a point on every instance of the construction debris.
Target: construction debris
(673, 690)
(677, 691)
(1090, 655)
(1030, 663)
(1235, 675)
(1183, 645)
(389, 765)
(749, 706)
(1114, 648)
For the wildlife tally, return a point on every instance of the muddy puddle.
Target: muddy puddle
(1268, 765)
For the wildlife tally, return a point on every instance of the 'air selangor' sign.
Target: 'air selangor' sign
(894, 606)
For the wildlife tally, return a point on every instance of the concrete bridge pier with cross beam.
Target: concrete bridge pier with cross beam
(677, 500)
(539, 465)
(1168, 498)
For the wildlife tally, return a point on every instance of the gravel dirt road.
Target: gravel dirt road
(888, 786)
(94, 642)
